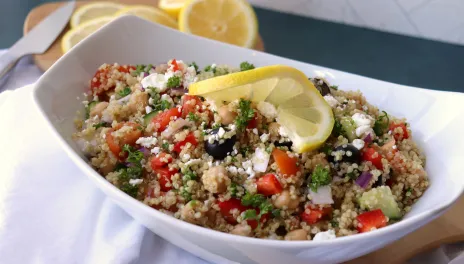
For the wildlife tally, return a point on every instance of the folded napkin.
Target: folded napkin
(51, 213)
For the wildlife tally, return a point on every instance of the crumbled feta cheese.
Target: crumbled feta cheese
(221, 132)
(264, 137)
(148, 109)
(247, 164)
(363, 130)
(358, 143)
(260, 160)
(283, 131)
(151, 101)
(267, 109)
(251, 173)
(213, 65)
(134, 182)
(255, 131)
(167, 98)
(189, 76)
(147, 141)
(232, 169)
(157, 80)
(362, 119)
(240, 171)
(331, 100)
(327, 235)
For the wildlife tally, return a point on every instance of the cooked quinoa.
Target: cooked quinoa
(231, 167)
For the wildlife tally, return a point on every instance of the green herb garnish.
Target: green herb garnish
(245, 114)
(338, 128)
(124, 92)
(192, 117)
(245, 66)
(250, 214)
(334, 223)
(381, 124)
(189, 176)
(194, 66)
(327, 149)
(276, 212)
(101, 124)
(210, 68)
(335, 87)
(134, 171)
(233, 189)
(319, 177)
(244, 150)
(174, 81)
(162, 105)
(165, 146)
(185, 194)
(130, 189)
(253, 200)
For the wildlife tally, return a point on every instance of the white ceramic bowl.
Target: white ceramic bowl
(436, 118)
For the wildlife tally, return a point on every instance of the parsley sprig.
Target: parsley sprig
(319, 177)
(381, 124)
(124, 92)
(173, 81)
(134, 171)
(257, 201)
(245, 114)
(245, 66)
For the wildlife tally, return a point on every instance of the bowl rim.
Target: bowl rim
(118, 195)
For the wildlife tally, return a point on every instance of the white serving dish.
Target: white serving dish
(436, 118)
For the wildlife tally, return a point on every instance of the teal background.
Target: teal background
(380, 55)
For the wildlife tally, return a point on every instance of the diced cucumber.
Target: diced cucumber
(349, 129)
(148, 117)
(380, 198)
(89, 108)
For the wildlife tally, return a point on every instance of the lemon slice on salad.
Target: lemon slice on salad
(302, 111)
(92, 11)
(149, 13)
(230, 21)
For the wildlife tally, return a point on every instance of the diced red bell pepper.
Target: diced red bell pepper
(404, 131)
(253, 123)
(189, 105)
(130, 137)
(315, 214)
(287, 165)
(371, 220)
(190, 138)
(164, 178)
(175, 65)
(370, 154)
(160, 161)
(269, 185)
(162, 119)
(226, 206)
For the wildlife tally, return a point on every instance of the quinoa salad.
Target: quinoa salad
(231, 167)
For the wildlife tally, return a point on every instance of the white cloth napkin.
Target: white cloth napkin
(51, 213)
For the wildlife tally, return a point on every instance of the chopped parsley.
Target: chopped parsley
(327, 149)
(246, 113)
(165, 146)
(194, 66)
(338, 128)
(334, 223)
(381, 124)
(245, 66)
(335, 87)
(174, 81)
(250, 214)
(185, 194)
(101, 124)
(253, 200)
(132, 171)
(210, 68)
(233, 159)
(233, 189)
(192, 117)
(244, 150)
(161, 105)
(409, 190)
(189, 176)
(257, 201)
(319, 177)
(124, 92)
(217, 125)
(276, 212)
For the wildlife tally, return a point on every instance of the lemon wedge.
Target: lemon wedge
(301, 110)
(230, 21)
(171, 7)
(92, 11)
(73, 36)
(149, 13)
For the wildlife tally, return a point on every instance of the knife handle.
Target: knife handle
(7, 62)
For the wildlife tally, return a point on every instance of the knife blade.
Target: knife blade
(39, 39)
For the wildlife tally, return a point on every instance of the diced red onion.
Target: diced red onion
(178, 91)
(145, 74)
(322, 196)
(368, 138)
(145, 151)
(364, 179)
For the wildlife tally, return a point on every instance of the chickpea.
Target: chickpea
(138, 101)
(298, 234)
(215, 180)
(188, 211)
(227, 116)
(285, 200)
(97, 110)
(241, 230)
(274, 129)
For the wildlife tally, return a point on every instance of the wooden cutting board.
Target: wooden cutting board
(44, 61)
(449, 228)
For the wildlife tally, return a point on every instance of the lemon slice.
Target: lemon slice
(73, 36)
(301, 110)
(149, 13)
(230, 21)
(171, 7)
(92, 11)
